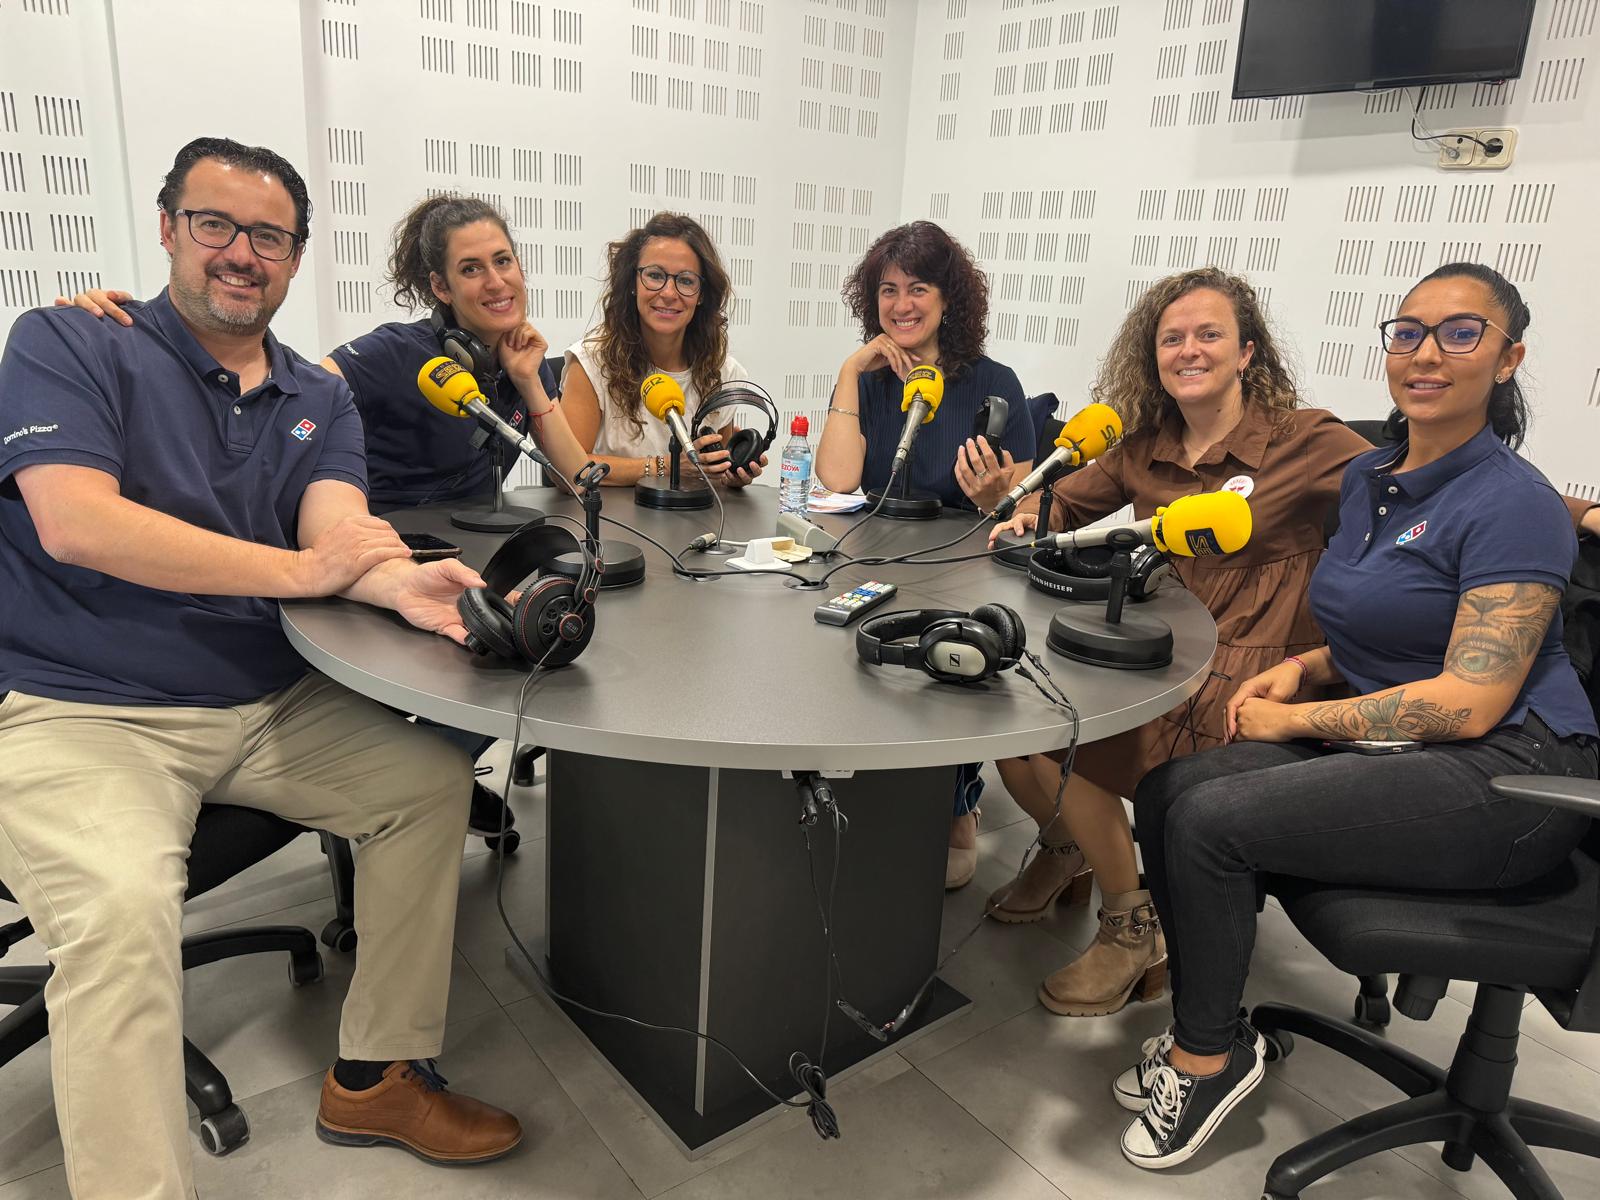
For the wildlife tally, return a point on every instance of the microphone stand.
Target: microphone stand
(907, 505)
(624, 562)
(656, 492)
(1135, 642)
(498, 517)
(1019, 553)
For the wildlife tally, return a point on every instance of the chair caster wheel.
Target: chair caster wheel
(304, 969)
(1372, 1011)
(522, 768)
(507, 844)
(336, 935)
(224, 1132)
(1279, 1045)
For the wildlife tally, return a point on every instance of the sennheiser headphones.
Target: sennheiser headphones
(990, 421)
(746, 446)
(1085, 574)
(466, 348)
(953, 647)
(553, 620)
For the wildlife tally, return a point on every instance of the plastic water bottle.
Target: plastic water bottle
(794, 470)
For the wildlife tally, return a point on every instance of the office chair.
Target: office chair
(226, 841)
(1543, 937)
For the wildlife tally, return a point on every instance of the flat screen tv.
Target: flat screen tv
(1291, 47)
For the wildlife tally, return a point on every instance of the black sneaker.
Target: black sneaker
(1184, 1109)
(488, 811)
(1132, 1087)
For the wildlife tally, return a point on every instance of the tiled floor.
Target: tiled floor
(1005, 1101)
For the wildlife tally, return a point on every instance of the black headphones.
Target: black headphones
(990, 421)
(553, 620)
(746, 446)
(953, 647)
(1085, 574)
(464, 347)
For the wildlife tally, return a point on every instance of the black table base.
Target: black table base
(683, 896)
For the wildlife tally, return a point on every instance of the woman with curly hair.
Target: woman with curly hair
(921, 300)
(665, 308)
(1207, 403)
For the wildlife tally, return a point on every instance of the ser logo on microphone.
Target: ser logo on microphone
(443, 369)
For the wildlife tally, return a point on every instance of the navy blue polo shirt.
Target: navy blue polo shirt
(149, 406)
(415, 453)
(1408, 547)
(933, 459)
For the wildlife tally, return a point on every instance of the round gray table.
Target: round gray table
(734, 672)
(678, 880)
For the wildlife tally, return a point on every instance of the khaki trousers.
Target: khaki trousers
(97, 809)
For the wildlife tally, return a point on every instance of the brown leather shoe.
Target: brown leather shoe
(410, 1108)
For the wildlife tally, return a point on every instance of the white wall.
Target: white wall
(1324, 202)
(1083, 149)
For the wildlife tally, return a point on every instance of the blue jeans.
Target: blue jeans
(1211, 823)
(968, 788)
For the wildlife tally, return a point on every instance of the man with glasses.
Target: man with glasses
(161, 487)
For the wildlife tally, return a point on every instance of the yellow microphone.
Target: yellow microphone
(920, 399)
(1190, 527)
(452, 389)
(663, 400)
(1088, 434)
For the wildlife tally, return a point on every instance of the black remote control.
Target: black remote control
(858, 601)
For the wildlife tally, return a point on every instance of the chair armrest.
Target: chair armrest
(1580, 795)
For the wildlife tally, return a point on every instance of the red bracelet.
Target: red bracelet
(1301, 664)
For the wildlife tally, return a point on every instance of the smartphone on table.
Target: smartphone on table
(424, 547)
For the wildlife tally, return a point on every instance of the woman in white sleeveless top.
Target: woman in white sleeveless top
(664, 309)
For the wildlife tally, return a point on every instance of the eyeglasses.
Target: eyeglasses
(655, 278)
(215, 231)
(1453, 335)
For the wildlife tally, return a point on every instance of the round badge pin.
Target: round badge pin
(1242, 484)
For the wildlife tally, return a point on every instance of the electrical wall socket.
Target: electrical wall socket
(1458, 151)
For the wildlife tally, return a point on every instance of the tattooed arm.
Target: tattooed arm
(1498, 631)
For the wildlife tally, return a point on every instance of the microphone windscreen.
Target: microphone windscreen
(660, 394)
(447, 386)
(1198, 526)
(923, 383)
(1093, 430)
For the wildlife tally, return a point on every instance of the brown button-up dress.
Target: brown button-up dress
(1290, 465)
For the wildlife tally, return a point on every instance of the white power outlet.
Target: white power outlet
(1460, 149)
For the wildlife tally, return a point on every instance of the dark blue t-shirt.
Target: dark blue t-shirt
(1408, 547)
(149, 406)
(933, 459)
(415, 453)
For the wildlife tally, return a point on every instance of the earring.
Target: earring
(1502, 378)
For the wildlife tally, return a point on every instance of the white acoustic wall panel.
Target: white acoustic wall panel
(780, 126)
(64, 220)
(1081, 148)
(1094, 147)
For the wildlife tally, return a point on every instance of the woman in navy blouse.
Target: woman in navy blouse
(1439, 598)
(922, 300)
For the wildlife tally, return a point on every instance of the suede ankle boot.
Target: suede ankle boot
(1054, 873)
(1127, 958)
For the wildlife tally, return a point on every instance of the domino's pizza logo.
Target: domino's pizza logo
(1412, 534)
(303, 430)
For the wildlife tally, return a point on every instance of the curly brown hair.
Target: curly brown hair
(925, 251)
(619, 342)
(1130, 382)
(421, 239)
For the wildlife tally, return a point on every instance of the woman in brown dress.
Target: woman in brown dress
(1207, 403)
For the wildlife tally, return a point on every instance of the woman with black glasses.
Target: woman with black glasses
(664, 309)
(1439, 600)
